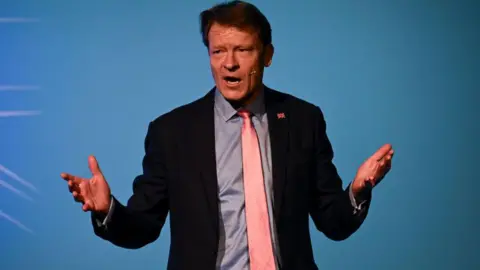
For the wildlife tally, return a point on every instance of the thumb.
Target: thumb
(94, 167)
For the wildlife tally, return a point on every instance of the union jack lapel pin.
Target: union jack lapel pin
(281, 115)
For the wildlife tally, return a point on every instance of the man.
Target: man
(239, 170)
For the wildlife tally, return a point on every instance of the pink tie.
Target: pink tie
(258, 227)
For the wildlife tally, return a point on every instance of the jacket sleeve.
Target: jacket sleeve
(140, 221)
(332, 208)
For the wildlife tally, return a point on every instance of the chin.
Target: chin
(233, 95)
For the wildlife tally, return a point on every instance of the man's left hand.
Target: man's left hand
(374, 169)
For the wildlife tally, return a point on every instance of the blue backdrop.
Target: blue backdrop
(86, 77)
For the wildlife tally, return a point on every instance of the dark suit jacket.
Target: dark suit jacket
(179, 177)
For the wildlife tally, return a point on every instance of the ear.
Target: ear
(268, 55)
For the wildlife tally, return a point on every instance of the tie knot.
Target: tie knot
(244, 114)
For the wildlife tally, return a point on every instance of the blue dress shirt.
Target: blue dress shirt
(233, 246)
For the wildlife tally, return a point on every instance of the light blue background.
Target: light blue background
(402, 72)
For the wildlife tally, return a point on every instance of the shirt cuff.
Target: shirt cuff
(356, 207)
(105, 221)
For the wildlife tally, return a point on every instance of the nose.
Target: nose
(230, 62)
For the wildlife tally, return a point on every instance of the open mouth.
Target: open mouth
(230, 80)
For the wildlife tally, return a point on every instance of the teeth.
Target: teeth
(233, 82)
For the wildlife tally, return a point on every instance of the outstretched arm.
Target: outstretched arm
(336, 212)
(142, 219)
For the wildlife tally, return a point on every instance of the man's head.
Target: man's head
(239, 42)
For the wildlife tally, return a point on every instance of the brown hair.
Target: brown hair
(239, 14)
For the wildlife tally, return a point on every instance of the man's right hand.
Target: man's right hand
(93, 193)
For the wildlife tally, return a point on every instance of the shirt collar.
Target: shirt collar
(225, 109)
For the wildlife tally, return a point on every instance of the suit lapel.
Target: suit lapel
(204, 143)
(278, 128)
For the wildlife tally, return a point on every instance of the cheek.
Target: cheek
(251, 64)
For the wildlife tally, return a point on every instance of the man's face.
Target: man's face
(237, 60)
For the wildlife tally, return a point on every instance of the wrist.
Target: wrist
(356, 187)
(105, 209)
(361, 190)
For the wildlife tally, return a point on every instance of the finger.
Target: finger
(387, 169)
(382, 163)
(382, 152)
(66, 176)
(94, 167)
(77, 197)
(384, 169)
(370, 182)
(388, 164)
(388, 161)
(87, 206)
(69, 177)
(73, 187)
(390, 154)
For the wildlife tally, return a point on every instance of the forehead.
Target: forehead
(230, 35)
